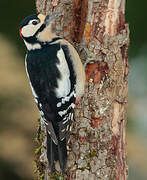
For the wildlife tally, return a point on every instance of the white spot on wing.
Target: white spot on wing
(44, 121)
(63, 130)
(54, 142)
(61, 113)
(40, 105)
(65, 121)
(72, 116)
(41, 113)
(67, 98)
(36, 101)
(67, 127)
(64, 85)
(59, 104)
(69, 116)
(65, 117)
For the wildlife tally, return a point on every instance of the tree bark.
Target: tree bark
(96, 147)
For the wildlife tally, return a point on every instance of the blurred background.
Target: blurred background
(17, 109)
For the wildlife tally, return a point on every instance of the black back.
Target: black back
(41, 67)
(42, 70)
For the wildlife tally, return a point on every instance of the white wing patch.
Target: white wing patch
(64, 81)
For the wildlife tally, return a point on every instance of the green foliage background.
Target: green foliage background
(18, 114)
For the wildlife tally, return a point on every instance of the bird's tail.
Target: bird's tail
(56, 152)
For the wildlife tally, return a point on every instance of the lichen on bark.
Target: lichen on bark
(97, 29)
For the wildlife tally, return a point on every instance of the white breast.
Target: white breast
(64, 85)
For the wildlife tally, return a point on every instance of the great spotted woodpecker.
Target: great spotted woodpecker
(57, 79)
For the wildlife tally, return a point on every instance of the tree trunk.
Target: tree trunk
(97, 147)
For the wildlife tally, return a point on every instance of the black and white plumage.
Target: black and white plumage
(57, 79)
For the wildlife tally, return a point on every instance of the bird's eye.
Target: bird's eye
(34, 22)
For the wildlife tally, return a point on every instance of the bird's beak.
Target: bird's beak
(49, 18)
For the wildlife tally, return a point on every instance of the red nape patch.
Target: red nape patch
(20, 32)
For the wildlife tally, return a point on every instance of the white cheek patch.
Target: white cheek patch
(30, 29)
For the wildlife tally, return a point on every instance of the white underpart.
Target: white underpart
(61, 113)
(32, 46)
(64, 85)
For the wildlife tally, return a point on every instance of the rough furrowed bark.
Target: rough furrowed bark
(96, 147)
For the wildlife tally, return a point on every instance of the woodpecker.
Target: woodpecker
(57, 80)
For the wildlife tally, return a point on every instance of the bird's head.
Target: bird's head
(37, 28)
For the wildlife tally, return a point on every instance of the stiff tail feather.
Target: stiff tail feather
(55, 153)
